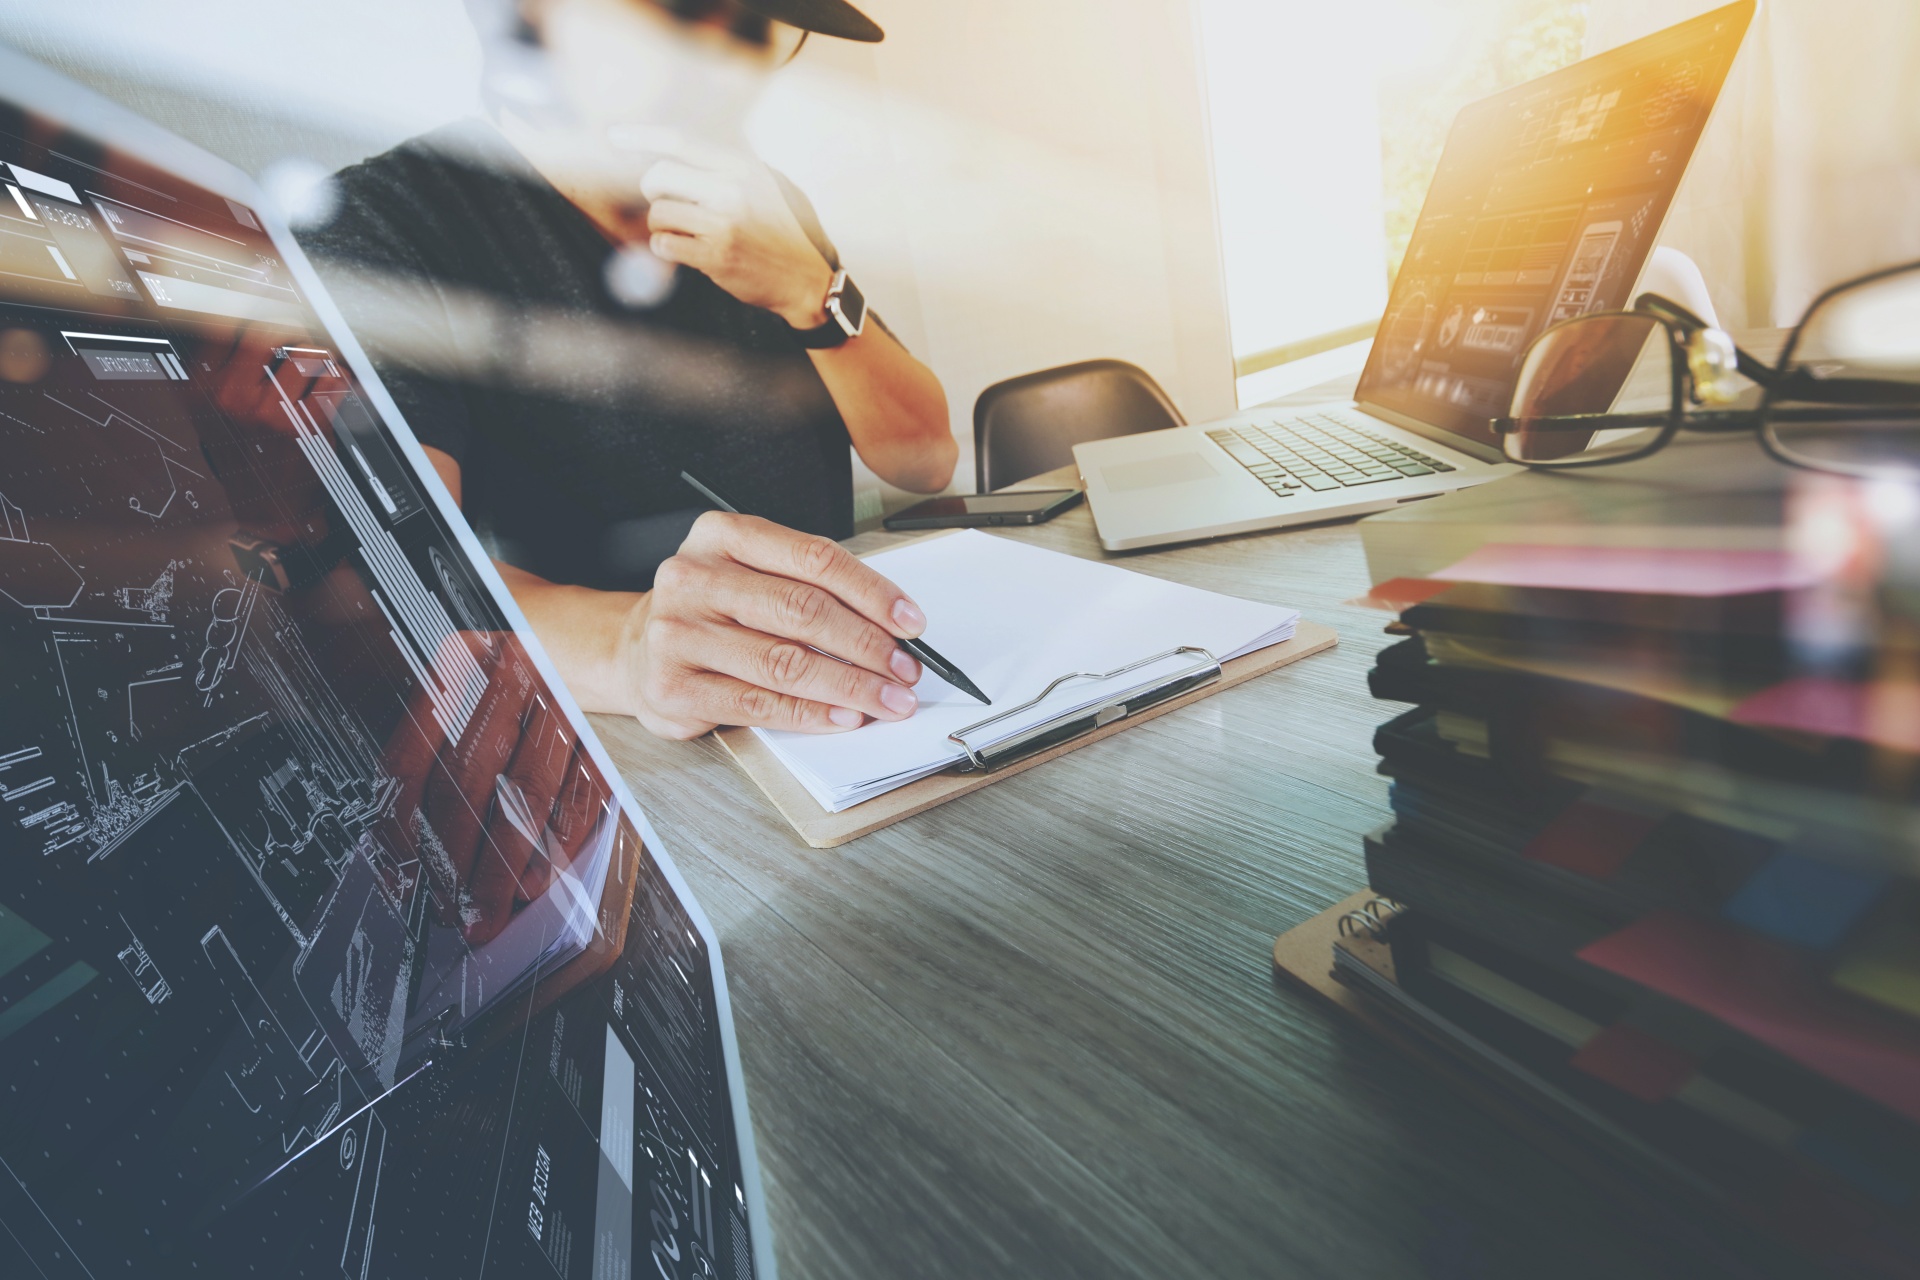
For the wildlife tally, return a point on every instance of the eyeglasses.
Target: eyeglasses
(1843, 397)
(742, 23)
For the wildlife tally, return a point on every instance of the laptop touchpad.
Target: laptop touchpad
(1147, 473)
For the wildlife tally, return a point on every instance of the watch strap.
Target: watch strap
(836, 330)
(822, 337)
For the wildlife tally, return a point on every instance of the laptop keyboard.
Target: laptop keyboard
(1319, 451)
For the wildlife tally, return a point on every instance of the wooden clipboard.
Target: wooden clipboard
(825, 830)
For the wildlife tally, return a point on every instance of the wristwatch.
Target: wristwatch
(846, 315)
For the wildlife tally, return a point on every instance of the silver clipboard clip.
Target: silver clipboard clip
(1050, 733)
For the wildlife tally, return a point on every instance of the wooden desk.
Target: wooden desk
(1035, 1033)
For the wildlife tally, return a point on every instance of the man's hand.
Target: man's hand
(723, 214)
(754, 624)
(493, 816)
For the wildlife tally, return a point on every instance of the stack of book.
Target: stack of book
(1654, 861)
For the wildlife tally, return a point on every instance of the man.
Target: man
(664, 298)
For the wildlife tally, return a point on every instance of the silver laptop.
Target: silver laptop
(1545, 205)
(331, 942)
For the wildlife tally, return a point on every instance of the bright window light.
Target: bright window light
(1326, 122)
(1296, 159)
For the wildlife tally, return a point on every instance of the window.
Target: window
(1327, 121)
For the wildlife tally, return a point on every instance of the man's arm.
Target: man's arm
(894, 406)
(726, 216)
(749, 623)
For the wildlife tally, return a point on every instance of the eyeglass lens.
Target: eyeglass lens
(1851, 402)
(743, 23)
(1615, 364)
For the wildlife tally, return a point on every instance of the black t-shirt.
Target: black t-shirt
(481, 294)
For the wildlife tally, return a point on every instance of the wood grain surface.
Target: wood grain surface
(1034, 1032)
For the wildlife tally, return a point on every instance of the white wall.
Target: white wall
(1019, 185)
(1810, 170)
(1015, 184)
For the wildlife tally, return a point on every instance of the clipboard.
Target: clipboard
(1036, 745)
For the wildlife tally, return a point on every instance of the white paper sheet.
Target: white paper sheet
(1015, 617)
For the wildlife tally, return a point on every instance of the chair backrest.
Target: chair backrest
(1029, 424)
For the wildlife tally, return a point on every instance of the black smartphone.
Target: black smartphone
(971, 510)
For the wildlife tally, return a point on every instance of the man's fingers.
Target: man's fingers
(536, 776)
(499, 873)
(409, 759)
(459, 792)
(680, 218)
(409, 756)
(793, 610)
(582, 804)
(789, 667)
(672, 180)
(737, 622)
(540, 762)
(772, 549)
(710, 698)
(688, 251)
(537, 878)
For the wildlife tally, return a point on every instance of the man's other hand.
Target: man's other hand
(754, 624)
(723, 214)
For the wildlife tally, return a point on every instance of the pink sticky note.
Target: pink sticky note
(1667, 571)
(1635, 1062)
(1398, 594)
(1885, 713)
(1762, 988)
(1589, 839)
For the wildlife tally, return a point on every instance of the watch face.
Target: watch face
(849, 306)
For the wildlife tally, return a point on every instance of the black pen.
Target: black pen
(918, 648)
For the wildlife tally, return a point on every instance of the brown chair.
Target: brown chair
(1029, 424)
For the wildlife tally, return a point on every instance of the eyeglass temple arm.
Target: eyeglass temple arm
(1751, 366)
(1711, 420)
(1588, 422)
(1800, 384)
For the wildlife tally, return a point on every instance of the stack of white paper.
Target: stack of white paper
(541, 937)
(1015, 618)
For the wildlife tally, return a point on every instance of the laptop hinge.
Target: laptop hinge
(1472, 448)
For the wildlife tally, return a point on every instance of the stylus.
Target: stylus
(918, 648)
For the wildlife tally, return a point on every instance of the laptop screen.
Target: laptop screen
(1545, 205)
(301, 847)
